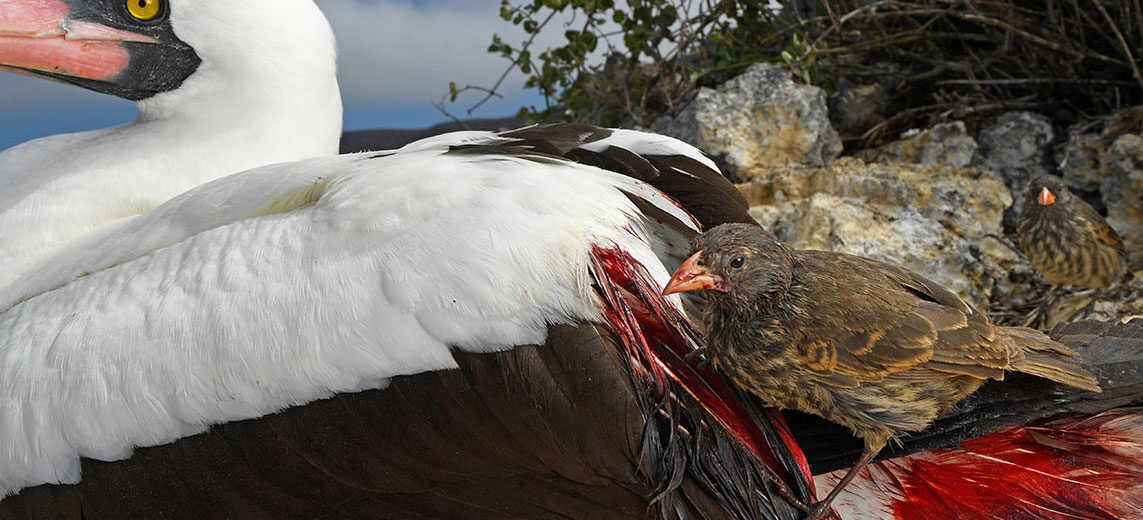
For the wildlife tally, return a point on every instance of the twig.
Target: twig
(515, 63)
(1122, 41)
(1033, 38)
(838, 23)
(1139, 18)
(887, 42)
(832, 15)
(877, 129)
(491, 93)
(1032, 81)
(958, 66)
(960, 112)
(440, 106)
(939, 35)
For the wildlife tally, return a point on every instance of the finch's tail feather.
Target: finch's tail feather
(1112, 350)
(1039, 355)
(1058, 370)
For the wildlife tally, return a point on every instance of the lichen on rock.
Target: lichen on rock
(941, 221)
(946, 143)
(1015, 146)
(758, 120)
(1121, 172)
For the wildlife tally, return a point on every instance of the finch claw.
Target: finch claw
(781, 488)
(818, 511)
(1085, 311)
(690, 357)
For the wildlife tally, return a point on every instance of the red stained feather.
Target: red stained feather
(658, 337)
(1064, 468)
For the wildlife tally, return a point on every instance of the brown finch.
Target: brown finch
(1067, 241)
(872, 346)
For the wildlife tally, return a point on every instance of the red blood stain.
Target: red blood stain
(658, 337)
(1059, 469)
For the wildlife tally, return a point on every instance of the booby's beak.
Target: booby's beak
(1046, 198)
(95, 44)
(692, 277)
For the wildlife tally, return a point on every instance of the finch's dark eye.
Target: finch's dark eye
(738, 262)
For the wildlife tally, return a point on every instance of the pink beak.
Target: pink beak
(36, 36)
(692, 277)
(1046, 198)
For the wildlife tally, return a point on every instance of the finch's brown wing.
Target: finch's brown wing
(1106, 235)
(889, 322)
(967, 343)
(1096, 225)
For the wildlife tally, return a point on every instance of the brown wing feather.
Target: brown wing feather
(1097, 226)
(1105, 234)
(922, 331)
(926, 289)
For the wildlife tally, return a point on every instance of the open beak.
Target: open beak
(37, 37)
(1046, 198)
(692, 277)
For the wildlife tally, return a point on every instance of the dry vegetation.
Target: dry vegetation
(942, 59)
(935, 59)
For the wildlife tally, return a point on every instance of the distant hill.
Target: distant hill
(381, 139)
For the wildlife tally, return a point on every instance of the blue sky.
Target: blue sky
(375, 39)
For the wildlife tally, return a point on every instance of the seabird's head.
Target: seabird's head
(141, 49)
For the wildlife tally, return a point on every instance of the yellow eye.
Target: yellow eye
(144, 10)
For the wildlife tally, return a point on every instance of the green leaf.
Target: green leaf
(658, 45)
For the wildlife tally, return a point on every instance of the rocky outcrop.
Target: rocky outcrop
(756, 121)
(1078, 160)
(1121, 183)
(946, 143)
(940, 221)
(1015, 146)
(938, 201)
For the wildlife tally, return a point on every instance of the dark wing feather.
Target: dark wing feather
(704, 192)
(474, 443)
(558, 138)
(1113, 350)
(917, 331)
(1105, 234)
(1096, 225)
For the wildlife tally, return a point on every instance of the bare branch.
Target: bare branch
(492, 92)
(1122, 41)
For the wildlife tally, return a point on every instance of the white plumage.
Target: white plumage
(365, 267)
(134, 312)
(265, 92)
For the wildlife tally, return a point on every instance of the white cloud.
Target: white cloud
(398, 52)
(396, 56)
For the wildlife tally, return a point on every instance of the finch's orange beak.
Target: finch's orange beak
(1046, 198)
(692, 277)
